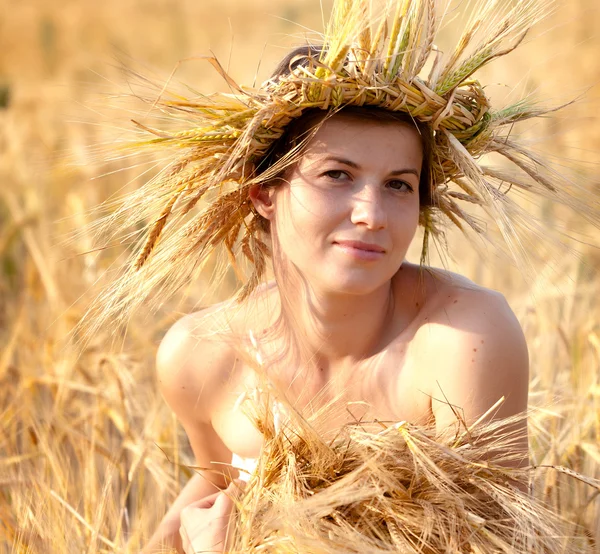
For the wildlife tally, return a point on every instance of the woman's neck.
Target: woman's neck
(331, 328)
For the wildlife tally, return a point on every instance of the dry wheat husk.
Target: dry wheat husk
(398, 488)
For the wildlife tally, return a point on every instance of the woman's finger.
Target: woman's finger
(224, 501)
(238, 486)
(206, 502)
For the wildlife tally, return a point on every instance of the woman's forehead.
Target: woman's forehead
(348, 133)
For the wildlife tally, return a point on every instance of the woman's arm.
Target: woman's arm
(191, 377)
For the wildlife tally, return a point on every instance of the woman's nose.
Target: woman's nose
(368, 208)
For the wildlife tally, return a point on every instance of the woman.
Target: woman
(330, 167)
(410, 343)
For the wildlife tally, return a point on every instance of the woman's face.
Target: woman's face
(348, 210)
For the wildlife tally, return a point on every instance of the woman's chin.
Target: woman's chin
(356, 284)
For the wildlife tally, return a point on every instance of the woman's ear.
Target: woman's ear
(262, 199)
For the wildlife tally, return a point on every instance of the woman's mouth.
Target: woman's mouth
(359, 250)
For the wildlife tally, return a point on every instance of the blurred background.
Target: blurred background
(89, 455)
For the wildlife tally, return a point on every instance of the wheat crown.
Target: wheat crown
(372, 55)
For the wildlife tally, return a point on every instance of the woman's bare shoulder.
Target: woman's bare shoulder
(474, 349)
(201, 355)
(455, 305)
(442, 290)
(195, 359)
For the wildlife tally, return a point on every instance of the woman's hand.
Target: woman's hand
(204, 523)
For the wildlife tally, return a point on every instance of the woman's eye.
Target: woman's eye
(336, 174)
(400, 185)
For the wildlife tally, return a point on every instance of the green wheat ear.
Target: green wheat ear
(519, 111)
(397, 40)
(465, 70)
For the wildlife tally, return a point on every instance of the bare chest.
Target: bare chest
(386, 388)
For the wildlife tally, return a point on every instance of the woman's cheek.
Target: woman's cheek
(318, 202)
(405, 221)
(314, 210)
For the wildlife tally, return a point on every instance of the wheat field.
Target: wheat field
(90, 456)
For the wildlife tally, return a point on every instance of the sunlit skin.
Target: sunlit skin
(364, 189)
(355, 184)
(378, 331)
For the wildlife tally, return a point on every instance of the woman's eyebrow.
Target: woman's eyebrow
(357, 166)
(407, 170)
(341, 161)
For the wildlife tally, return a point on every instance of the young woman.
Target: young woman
(330, 168)
(410, 342)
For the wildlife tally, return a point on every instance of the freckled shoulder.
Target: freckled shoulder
(453, 301)
(435, 292)
(473, 351)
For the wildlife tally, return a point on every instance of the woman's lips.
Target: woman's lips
(361, 250)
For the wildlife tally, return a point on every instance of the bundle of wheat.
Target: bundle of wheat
(394, 488)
